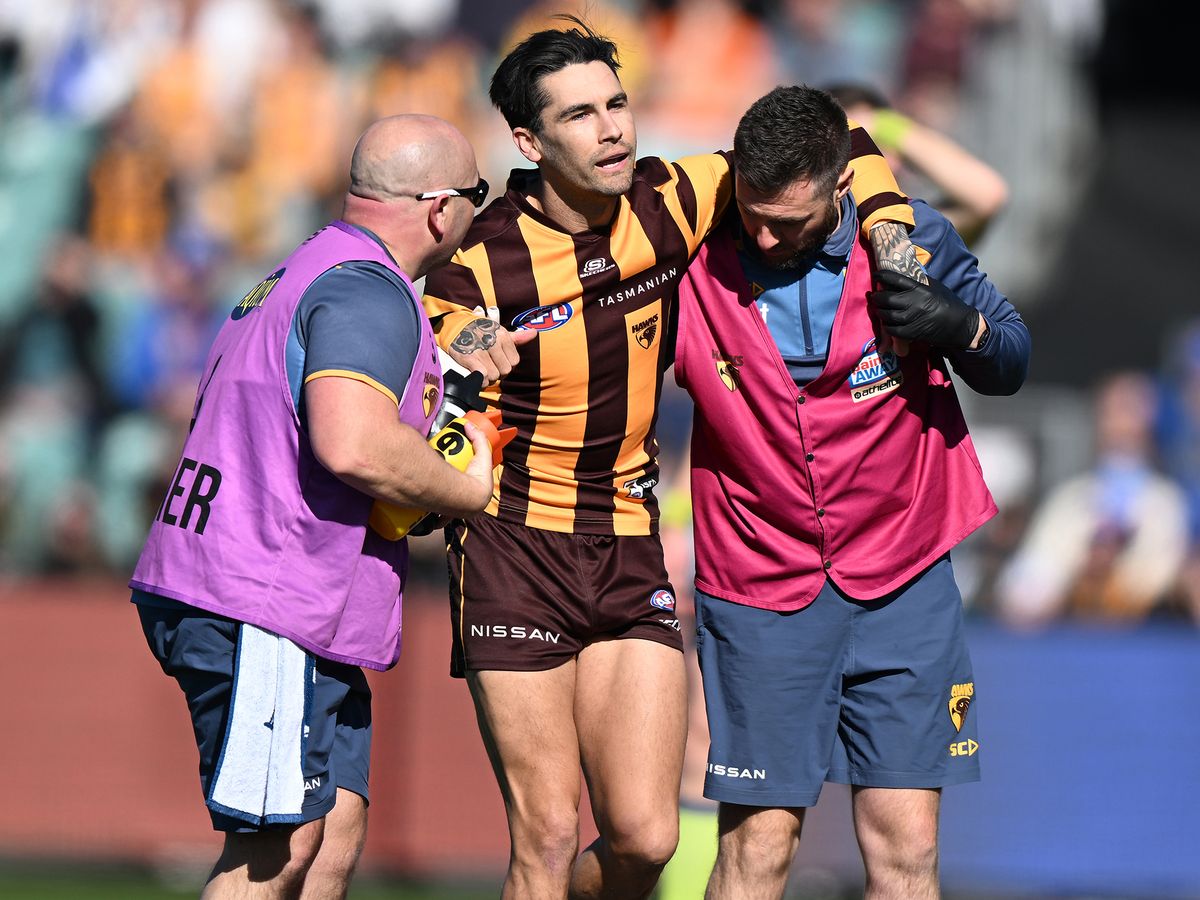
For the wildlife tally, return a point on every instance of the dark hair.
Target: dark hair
(852, 93)
(793, 132)
(517, 85)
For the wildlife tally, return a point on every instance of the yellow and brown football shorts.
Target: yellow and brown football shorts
(526, 600)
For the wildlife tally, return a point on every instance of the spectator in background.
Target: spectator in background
(710, 59)
(1179, 436)
(57, 402)
(162, 343)
(969, 192)
(822, 41)
(131, 193)
(1108, 544)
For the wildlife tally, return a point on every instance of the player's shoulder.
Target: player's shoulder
(497, 222)
(654, 171)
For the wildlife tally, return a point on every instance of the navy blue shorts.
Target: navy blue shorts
(864, 693)
(200, 651)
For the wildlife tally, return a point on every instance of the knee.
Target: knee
(908, 854)
(763, 843)
(550, 838)
(647, 843)
(281, 856)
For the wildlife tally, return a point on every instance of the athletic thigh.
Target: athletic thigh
(528, 728)
(631, 716)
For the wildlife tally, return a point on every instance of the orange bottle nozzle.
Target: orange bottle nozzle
(491, 424)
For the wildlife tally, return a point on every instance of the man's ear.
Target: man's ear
(844, 181)
(529, 145)
(438, 217)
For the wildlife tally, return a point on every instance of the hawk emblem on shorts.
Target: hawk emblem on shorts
(960, 702)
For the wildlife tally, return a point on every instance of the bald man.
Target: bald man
(261, 589)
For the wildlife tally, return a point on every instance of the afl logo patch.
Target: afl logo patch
(544, 318)
(661, 599)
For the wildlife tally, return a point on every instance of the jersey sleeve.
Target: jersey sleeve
(702, 186)
(876, 192)
(453, 298)
(358, 320)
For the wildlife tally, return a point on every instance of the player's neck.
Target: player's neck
(573, 211)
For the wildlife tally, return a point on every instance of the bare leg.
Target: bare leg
(267, 864)
(527, 723)
(345, 833)
(897, 831)
(631, 714)
(754, 852)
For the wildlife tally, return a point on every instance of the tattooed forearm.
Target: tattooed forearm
(479, 335)
(894, 251)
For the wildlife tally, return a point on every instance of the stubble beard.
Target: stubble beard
(802, 257)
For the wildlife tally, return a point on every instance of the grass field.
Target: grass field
(19, 883)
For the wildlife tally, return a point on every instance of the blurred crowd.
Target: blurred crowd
(157, 155)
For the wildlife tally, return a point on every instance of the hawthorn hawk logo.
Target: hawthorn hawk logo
(960, 702)
(645, 330)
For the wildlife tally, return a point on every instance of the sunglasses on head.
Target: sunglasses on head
(475, 194)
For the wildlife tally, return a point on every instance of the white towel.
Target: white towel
(260, 776)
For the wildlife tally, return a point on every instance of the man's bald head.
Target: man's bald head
(401, 156)
(396, 159)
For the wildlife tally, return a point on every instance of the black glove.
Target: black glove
(930, 312)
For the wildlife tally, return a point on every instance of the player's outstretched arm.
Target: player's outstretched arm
(356, 435)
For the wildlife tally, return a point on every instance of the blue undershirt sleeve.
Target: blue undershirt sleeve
(1000, 366)
(358, 320)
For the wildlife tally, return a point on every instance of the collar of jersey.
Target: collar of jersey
(518, 189)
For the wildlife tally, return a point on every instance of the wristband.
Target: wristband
(987, 333)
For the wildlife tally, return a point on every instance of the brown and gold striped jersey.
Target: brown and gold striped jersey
(584, 397)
